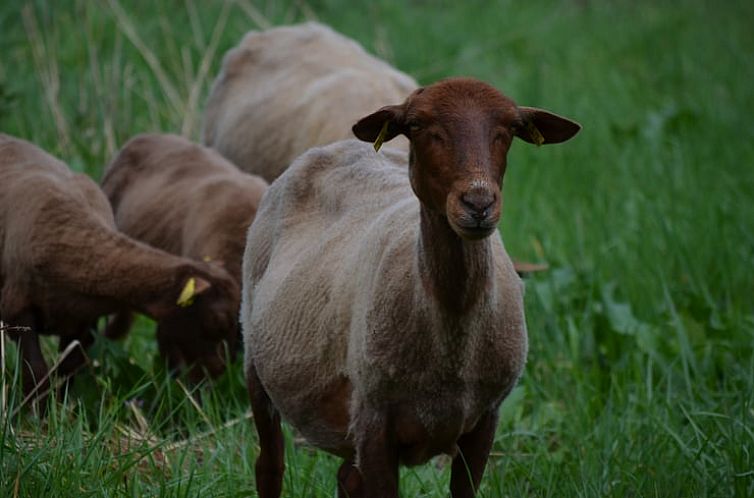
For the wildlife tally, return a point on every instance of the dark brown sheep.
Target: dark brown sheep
(187, 200)
(381, 314)
(63, 264)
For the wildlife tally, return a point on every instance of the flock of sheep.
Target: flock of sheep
(379, 311)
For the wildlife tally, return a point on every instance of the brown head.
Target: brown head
(199, 321)
(460, 131)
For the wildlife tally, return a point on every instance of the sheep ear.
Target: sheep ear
(181, 297)
(381, 126)
(543, 127)
(194, 286)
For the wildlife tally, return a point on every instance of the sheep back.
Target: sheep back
(183, 198)
(41, 201)
(287, 89)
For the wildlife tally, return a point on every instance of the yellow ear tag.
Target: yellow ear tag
(187, 294)
(535, 134)
(381, 137)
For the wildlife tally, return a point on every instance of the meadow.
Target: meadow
(640, 378)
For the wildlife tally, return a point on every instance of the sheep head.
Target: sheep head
(198, 320)
(460, 131)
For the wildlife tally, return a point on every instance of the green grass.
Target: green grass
(640, 380)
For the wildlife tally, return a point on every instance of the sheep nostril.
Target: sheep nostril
(479, 205)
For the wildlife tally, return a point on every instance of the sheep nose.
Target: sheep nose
(478, 202)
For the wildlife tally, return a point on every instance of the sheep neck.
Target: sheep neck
(96, 260)
(455, 271)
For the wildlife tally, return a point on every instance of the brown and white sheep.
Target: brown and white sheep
(286, 89)
(381, 314)
(187, 200)
(63, 265)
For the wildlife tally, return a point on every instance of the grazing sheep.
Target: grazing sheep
(381, 314)
(287, 89)
(63, 264)
(187, 200)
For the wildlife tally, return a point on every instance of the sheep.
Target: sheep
(380, 312)
(63, 264)
(286, 89)
(187, 200)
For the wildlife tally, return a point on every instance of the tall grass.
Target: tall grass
(640, 379)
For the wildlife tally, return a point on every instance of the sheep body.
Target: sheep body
(287, 89)
(183, 198)
(334, 307)
(187, 200)
(63, 264)
(381, 313)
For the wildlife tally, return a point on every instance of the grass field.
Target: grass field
(640, 380)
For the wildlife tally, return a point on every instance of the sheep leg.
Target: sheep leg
(474, 450)
(270, 466)
(35, 367)
(350, 484)
(169, 350)
(75, 359)
(377, 457)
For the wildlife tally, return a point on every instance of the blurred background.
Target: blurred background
(640, 379)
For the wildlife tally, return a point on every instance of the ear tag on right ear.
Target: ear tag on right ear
(187, 294)
(381, 137)
(534, 133)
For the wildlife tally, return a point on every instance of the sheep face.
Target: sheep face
(197, 332)
(460, 131)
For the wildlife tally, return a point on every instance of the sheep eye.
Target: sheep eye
(414, 127)
(499, 137)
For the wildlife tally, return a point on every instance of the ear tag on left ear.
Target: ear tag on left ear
(534, 133)
(187, 294)
(381, 137)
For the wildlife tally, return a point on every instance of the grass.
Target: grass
(640, 379)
